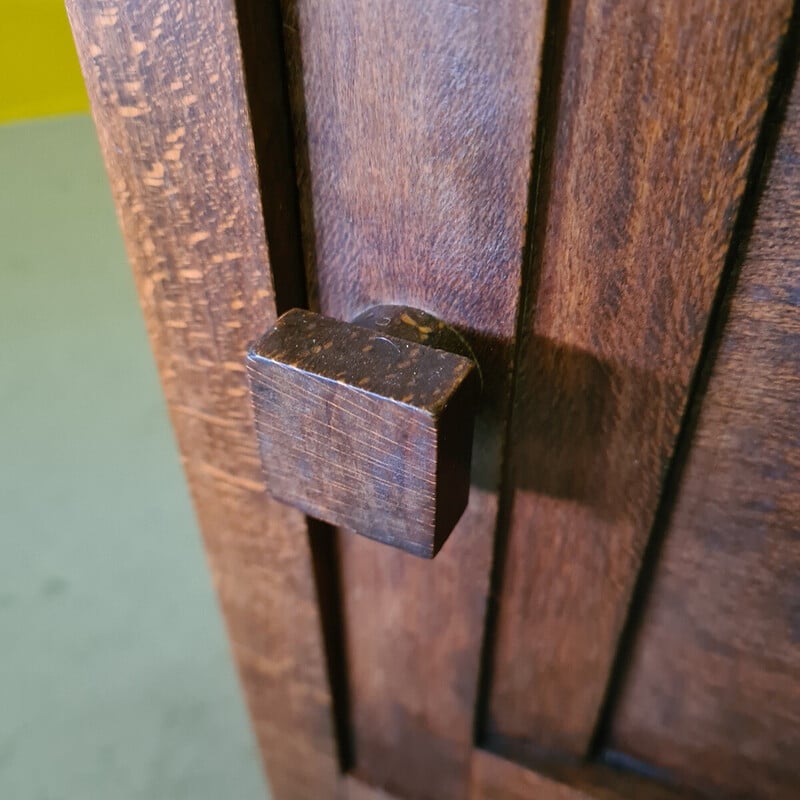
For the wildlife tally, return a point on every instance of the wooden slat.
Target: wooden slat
(495, 778)
(419, 121)
(660, 108)
(713, 691)
(166, 86)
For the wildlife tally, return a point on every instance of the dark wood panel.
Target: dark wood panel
(495, 778)
(419, 122)
(713, 689)
(166, 86)
(660, 108)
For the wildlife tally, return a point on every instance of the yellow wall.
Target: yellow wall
(39, 71)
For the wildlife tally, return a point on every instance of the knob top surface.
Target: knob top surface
(372, 361)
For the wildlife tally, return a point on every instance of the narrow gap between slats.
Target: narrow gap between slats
(267, 86)
(743, 226)
(553, 57)
(324, 542)
(286, 205)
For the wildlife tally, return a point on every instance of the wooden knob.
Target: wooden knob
(368, 424)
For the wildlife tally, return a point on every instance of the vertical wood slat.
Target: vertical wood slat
(166, 86)
(711, 692)
(419, 121)
(660, 109)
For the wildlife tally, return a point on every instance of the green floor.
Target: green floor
(115, 679)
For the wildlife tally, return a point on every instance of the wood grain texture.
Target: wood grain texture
(166, 87)
(495, 778)
(419, 121)
(660, 108)
(365, 429)
(712, 693)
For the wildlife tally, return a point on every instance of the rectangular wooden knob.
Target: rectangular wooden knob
(366, 431)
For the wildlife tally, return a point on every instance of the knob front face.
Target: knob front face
(364, 430)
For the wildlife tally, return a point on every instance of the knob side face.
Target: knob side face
(364, 430)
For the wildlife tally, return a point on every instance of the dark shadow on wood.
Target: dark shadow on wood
(266, 79)
(323, 540)
(294, 65)
(569, 446)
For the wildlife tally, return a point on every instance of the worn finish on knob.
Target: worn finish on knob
(366, 429)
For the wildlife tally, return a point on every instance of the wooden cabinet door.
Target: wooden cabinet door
(572, 186)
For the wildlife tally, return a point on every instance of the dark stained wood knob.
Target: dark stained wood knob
(368, 424)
